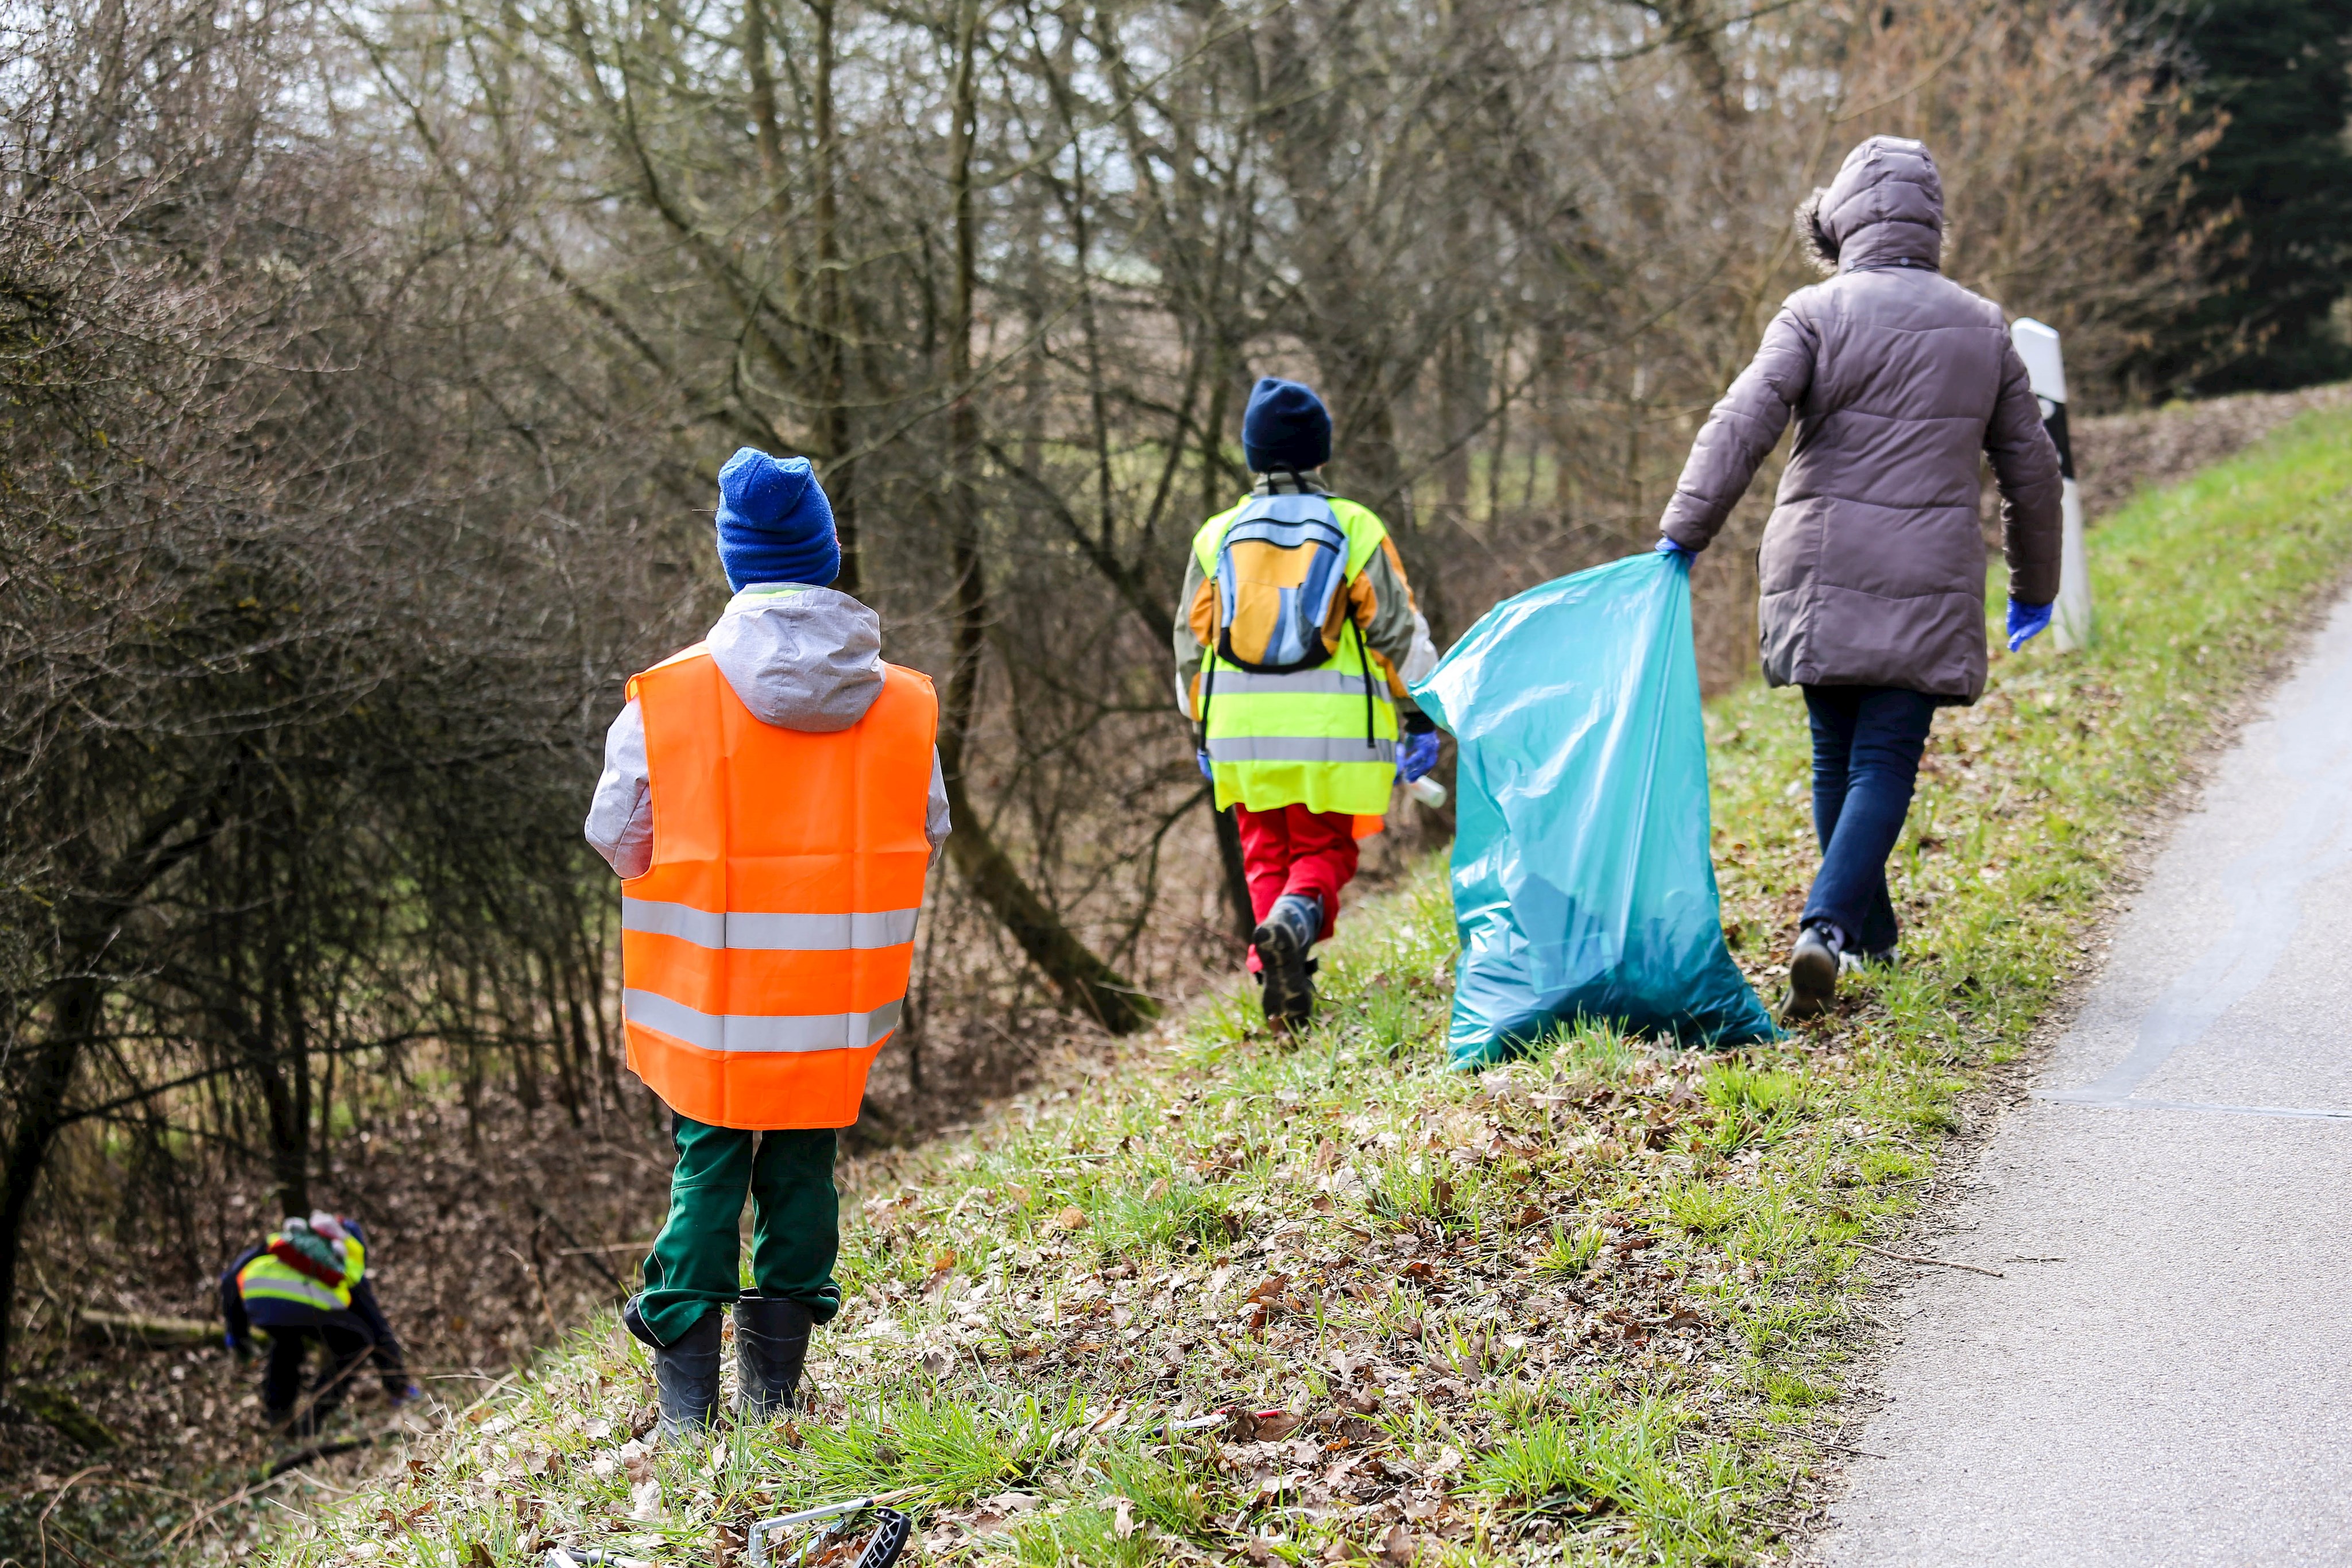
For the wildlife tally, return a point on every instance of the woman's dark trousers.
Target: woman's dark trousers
(1866, 747)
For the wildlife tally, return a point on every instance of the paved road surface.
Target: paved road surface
(2170, 1382)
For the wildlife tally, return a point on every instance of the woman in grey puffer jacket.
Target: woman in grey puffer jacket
(1873, 568)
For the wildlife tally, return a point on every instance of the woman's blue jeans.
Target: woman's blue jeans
(1866, 747)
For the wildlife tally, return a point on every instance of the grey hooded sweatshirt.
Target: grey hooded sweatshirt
(1873, 568)
(800, 658)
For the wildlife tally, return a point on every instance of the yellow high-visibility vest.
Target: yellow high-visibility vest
(268, 1279)
(1323, 738)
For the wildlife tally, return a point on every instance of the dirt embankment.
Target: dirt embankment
(2119, 454)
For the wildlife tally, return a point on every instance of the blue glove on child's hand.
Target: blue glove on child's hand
(1668, 546)
(2026, 621)
(1203, 758)
(1417, 755)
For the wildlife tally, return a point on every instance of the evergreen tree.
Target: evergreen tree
(2273, 75)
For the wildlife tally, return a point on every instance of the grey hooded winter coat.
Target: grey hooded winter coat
(1873, 567)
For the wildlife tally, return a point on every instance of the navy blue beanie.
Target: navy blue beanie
(774, 523)
(1286, 426)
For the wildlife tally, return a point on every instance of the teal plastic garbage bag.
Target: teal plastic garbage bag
(1583, 882)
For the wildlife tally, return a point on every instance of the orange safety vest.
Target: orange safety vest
(764, 954)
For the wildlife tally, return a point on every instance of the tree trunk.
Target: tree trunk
(41, 1114)
(1229, 852)
(1214, 479)
(833, 355)
(1696, 32)
(283, 1078)
(41, 1110)
(571, 1054)
(585, 1049)
(1083, 979)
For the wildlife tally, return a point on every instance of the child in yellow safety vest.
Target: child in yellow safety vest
(308, 1282)
(1293, 656)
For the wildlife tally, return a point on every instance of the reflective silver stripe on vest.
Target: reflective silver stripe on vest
(1301, 749)
(760, 1032)
(1308, 683)
(306, 1291)
(770, 933)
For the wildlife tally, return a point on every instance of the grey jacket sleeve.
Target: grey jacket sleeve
(621, 813)
(1186, 643)
(2025, 467)
(1392, 624)
(1741, 431)
(935, 825)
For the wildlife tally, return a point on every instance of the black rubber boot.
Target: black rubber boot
(1812, 973)
(771, 1338)
(685, 1374)
(1282, 939)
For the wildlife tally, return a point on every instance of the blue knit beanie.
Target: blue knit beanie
(1286, 426)
(774, 523)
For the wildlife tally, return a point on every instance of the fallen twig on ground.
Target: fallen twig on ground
(1939, 1262)
(1841, 1448)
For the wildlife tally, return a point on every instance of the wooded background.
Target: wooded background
(364, 370)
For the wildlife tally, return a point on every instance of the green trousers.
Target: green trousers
(796, 1225)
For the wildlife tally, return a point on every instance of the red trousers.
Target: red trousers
(1294, 849)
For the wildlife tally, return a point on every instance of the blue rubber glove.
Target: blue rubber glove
(2026, 621)
(1668, 546)
(1203, 758)
(1417, 756)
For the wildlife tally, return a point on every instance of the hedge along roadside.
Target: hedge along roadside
(1603, 1297)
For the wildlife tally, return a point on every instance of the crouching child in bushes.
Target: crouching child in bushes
(308, 1282)
(772, 798)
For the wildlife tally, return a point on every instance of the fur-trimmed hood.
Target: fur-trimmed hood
(1886, 208)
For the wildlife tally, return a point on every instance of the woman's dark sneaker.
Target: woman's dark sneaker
(1848, 962)
(1812, 973)
(1282, 939)
(771, 1337)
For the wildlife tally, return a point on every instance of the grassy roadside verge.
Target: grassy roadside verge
(1592, 1307)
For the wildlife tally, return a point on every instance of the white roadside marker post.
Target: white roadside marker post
(2045, 369)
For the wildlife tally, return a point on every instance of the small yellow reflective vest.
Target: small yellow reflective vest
(1323, 738)
(268, 1279)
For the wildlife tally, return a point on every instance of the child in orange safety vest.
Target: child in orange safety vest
(772, 798)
